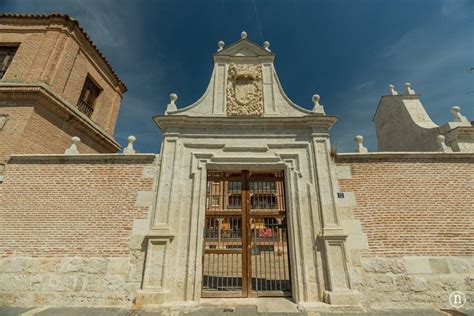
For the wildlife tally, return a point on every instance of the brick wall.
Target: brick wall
(14, 127)
(59, 133)
(71, 208)
(37, 130)
(414, 207)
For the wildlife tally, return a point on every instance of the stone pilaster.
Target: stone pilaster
(332, 237)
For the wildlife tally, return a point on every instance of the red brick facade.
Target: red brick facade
(25, 124)
(54, 50)
(78, 208)
(42, 86)
(414, 207)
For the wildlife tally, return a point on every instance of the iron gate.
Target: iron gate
(245, 236)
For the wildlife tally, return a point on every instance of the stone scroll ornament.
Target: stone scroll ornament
(244, 90)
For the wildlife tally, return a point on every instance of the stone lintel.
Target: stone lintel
(233, 165)
(245, 149)
(251, 159)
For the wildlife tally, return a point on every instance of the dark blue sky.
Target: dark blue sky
(346, 51)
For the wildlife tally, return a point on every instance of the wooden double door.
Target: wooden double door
(245, 235)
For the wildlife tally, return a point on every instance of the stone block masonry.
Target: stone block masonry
(68, 232)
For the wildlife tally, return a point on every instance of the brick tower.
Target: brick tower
(54, 84)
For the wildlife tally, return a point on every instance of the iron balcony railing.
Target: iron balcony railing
(85, 108)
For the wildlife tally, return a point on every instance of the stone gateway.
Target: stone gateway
(246, 198)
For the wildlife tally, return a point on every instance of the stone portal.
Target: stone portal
(246, 199)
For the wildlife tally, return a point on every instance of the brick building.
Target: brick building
(245, 199)
(54, 81)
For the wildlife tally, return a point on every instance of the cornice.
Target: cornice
(389, 156)
(82, 158)
(204, 122)
(40, 94)
(72, 25)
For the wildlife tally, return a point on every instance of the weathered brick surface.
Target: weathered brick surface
(36, 130)
(11, 133)
(44, 122)
(414, 207)
(70, 209)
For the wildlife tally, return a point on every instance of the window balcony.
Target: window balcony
(85, 108)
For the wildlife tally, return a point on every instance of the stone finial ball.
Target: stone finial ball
(75, 139)
(316, 98)
(359, 139)
(243, 35)
(131, 139)
(266, 44)
(440, 139)
(220, 44)
(391, 86)
(455, 109)
(407, 84)
(173, 97)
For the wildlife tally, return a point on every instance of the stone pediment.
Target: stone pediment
(243, 48)
(244, 83)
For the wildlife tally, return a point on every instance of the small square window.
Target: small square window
(90, 93)
(6, 56)
(215, 200)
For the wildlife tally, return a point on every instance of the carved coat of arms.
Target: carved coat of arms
(244, 90)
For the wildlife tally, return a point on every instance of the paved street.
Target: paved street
(238, 311)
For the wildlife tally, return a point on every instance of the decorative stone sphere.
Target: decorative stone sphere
(220, 44)
(440, 139)
(391, 86)
(243, 35)
(266, 45)
(173, 97)
(455, 109)
(359, 139)
(316, 98)
(131, 139)
(75, 139)
(407, 84)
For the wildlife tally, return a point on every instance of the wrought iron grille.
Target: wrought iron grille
(85, 108)
(245, 236)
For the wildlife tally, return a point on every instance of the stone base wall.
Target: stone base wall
(70, 281)
(410, 282)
